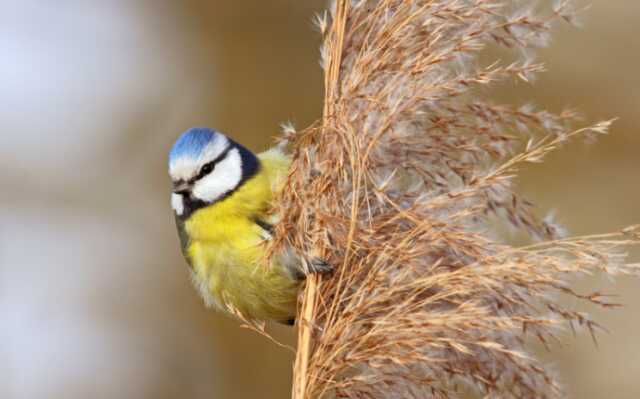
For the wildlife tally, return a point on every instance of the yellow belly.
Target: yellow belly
(226, 250)
(229, 271)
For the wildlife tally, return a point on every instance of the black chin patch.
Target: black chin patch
(190, 205)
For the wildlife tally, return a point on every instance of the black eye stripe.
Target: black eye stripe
(210, 166)
(205, 170)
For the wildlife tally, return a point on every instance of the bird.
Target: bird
(221, 197)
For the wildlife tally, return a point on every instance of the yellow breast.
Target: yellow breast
(227, 250)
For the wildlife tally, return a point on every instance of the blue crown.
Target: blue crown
(191, 143)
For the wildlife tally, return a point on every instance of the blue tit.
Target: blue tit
(221, 198)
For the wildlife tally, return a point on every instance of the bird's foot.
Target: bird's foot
(320, 266)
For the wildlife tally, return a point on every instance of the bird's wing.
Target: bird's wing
(184, 238)
(266, 228)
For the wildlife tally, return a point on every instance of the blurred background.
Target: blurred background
(95, 299)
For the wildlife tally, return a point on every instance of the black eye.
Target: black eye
(206, 169)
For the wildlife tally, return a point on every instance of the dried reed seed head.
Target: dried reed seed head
(397, 185)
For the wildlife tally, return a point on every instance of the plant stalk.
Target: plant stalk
(307, 313)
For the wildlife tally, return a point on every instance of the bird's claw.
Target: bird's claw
(320, 266)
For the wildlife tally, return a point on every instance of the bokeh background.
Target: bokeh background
(95, 300)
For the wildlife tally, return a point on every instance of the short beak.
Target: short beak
(181, 187)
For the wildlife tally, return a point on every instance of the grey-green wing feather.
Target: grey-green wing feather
(184, 238)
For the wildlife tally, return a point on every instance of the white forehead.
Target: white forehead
(186, 165)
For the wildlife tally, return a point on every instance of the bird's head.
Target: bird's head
(205, 167)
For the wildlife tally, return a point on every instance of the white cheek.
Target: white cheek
(177, 203)
(225, 178)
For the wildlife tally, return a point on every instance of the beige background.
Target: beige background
(94, 297)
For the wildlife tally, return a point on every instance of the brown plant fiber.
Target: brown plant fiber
(400, 187)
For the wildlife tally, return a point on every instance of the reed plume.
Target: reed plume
(401, 185)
